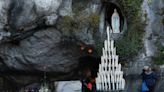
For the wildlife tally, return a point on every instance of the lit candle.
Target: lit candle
(112, 80)
(105, 82)
(121, 80)
(106, 61)
(106, 55)
(102, 79)
(119, 67)
(108, 33)
(109, 81)
(97, 86)
(117, 82)
(112, 44)
(114, 51)
(123, 84)
(113, 63)
(109, 54)
(100, 82)
(116, 61)
(108, 44)
(105, 43)
(100, 68)
(102, 58)
(103, 50)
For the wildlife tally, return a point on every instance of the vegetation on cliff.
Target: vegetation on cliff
(78, 22)
(131, 42)
(158, 59)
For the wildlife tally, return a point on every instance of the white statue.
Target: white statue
(115, 22)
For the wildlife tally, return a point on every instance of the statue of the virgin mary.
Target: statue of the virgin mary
(115, 22)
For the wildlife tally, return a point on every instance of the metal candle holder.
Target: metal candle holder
(110, 77)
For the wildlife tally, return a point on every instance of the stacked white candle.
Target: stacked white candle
(110, 76)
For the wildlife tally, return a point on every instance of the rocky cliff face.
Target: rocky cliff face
(41, 45)
(152, 15)
(35, 41)
(31, 41)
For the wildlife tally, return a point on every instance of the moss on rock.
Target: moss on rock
(131, 42)
(159, 58)
(68, 24)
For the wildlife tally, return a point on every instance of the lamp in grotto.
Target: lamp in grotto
(82, 48)
(90, 50)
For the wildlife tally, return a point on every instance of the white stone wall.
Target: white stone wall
(68, 86)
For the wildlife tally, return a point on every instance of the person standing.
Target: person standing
(150, 78)
(88, 83)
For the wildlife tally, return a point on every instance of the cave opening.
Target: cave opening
(109, 10)
(91, 63)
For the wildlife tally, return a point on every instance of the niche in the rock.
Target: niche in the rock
(117, 22)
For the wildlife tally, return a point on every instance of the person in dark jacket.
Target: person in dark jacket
(149, 77)
(88, 83)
